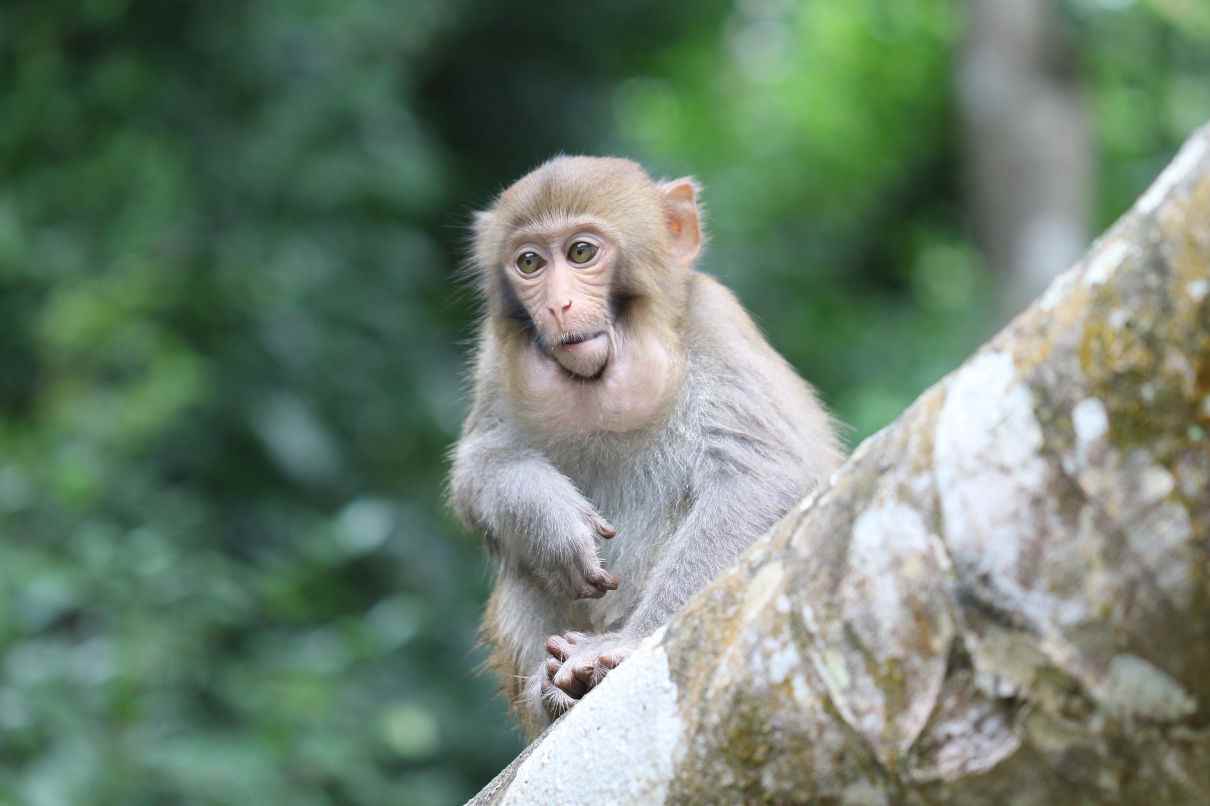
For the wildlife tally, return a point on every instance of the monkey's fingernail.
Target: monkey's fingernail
(558, 647)
(606, 530)
(611, 661)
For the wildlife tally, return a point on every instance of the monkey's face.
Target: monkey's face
(562, 277)
(579, 256)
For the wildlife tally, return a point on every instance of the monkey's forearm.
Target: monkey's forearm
(714, 534)
(533, 515)
(513, 494)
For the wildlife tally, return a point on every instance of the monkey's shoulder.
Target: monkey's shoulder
(714, 311)
(739, 383)
(721, 329)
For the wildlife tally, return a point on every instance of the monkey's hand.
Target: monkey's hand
(577, 662)
(573, 565)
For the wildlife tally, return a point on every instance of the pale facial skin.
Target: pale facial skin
(563, 279)
(584, 372)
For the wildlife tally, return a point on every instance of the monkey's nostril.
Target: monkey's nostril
(566, 305)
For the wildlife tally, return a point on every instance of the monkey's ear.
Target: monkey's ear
(683, 219)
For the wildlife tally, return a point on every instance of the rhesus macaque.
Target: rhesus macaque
(631, 430)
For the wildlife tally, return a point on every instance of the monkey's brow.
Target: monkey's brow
(558, 228)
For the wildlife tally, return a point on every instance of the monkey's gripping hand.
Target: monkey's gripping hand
(576, 662)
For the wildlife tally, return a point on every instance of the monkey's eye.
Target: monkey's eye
(581, 252)
(529, 262)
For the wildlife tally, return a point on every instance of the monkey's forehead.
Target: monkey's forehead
(610, 188)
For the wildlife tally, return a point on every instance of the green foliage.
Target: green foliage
(230, 359)
(824, 126)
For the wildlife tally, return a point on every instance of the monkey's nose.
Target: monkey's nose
(557, 311)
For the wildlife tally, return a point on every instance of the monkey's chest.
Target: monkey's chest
(646, 503)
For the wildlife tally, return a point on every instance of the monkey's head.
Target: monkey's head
(574, 248)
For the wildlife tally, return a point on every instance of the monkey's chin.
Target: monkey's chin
(585, 359)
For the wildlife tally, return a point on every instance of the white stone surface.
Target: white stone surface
(1186, 161)
(620, 744)
(1105, 261)
(988, 465)
(1090, 421)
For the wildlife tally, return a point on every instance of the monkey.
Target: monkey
(630, 430)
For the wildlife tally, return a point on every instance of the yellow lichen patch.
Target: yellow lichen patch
(712, 622)
(1189, 260)
(1144, 345)
(1108, 351)
(761, 589)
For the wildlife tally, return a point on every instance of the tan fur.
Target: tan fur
(503, 664)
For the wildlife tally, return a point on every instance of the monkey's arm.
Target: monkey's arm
(534, 518)
(764, 443)
(732, 508)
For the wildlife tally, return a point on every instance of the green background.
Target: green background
(232, 351)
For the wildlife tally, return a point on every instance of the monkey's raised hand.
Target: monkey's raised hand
(579, 573)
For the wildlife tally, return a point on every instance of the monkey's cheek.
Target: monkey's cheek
(586, 359)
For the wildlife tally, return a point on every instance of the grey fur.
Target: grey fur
(746, 441)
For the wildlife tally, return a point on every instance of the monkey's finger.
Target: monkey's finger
(598, 674)
(552, 668)
(559, 647)
(610, 660)
(600, 578)
(555, 700)
(569, 683)
(603, 527)
(583, 672)
(581, 577)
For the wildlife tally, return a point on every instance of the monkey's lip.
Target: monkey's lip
(583, 355)
(573, 340)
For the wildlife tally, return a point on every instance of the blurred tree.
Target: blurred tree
(1026, 144)
(229, 356)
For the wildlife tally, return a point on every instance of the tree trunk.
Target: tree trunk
(1028, 148)
(1003, 597)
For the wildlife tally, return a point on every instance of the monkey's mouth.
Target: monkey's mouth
(572, 339)
(583, 354)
